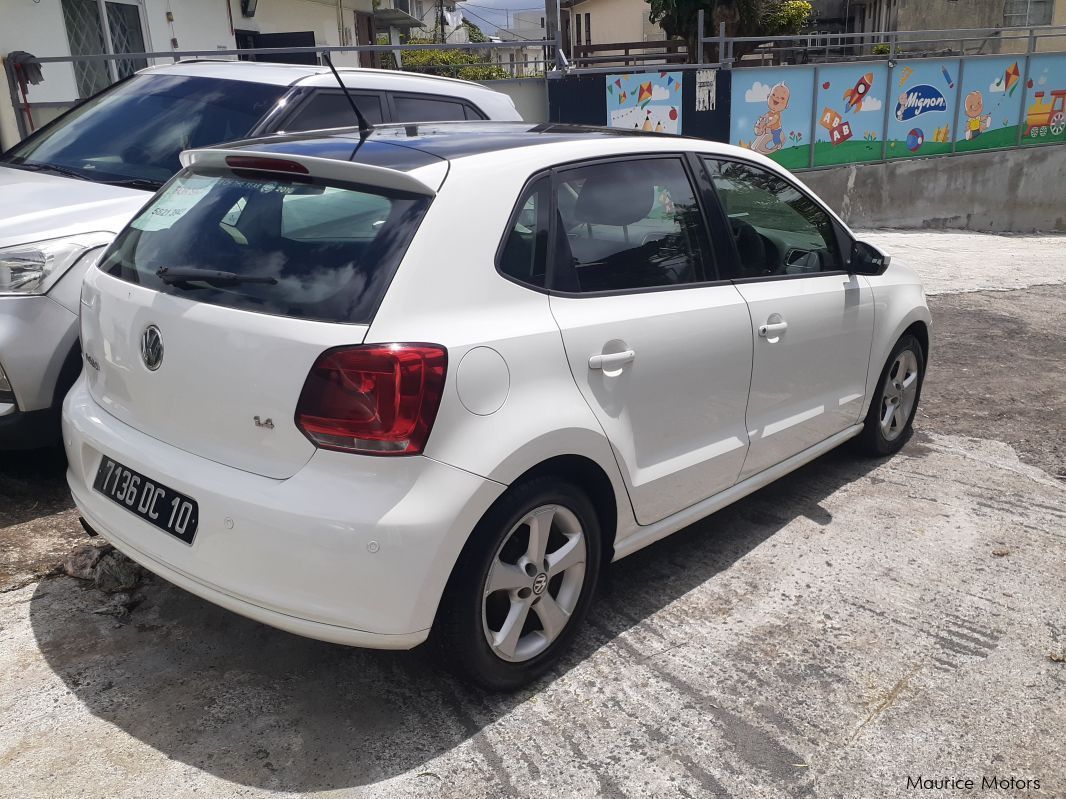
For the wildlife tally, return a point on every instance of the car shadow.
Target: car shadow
(266, 709)
(32, 484)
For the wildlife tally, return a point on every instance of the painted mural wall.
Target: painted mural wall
(1045, 113)
(922, 118)
(771, 113)
(851, 117)
(649, 101)
(807, 116)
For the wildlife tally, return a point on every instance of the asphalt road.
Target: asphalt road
(856, 624)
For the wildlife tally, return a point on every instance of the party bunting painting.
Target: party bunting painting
(648, 101)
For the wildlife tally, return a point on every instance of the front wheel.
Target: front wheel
(891, 416)
(522, 585)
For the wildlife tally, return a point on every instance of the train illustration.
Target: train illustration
(1047, 114)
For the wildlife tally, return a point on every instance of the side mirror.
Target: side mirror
(866, 259)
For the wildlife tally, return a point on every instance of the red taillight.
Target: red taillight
(259, 163)
(377, 399)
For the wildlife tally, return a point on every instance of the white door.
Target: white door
(663, 361)
(811, 321)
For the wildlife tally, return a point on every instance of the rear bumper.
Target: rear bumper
(351, 549)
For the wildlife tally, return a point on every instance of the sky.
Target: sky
(492, 14)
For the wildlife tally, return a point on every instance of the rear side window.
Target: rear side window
(430, 109)
(524, 252)
(629, 225)
(332, 110)
(280, 246)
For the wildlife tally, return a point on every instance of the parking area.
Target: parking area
(854, 626)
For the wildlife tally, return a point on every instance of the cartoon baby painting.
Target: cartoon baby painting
(978, 121)
(768, 127)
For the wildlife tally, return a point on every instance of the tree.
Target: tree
(465, 64)
(741, 18)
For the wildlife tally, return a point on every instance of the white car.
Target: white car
(76, 182)
(431, 382)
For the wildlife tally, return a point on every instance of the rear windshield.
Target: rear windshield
(135, 131)
(297, 248)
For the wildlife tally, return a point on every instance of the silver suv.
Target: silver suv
(78, 181)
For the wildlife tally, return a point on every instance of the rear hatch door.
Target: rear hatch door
(205, 316)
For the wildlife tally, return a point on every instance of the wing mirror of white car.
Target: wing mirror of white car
(866, 259)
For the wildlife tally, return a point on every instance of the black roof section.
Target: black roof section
(406, 147)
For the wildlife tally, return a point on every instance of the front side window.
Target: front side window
(778, 229)
(332, 110)
(137, 130)
(629, 225)
(525, 250)
(302, 249)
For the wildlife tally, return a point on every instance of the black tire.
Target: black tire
(873, 441)
(459, 634)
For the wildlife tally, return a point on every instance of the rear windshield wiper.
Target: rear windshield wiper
(180, 274)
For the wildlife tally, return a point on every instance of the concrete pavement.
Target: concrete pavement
(856, 624)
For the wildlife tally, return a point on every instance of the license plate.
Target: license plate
(152, 501)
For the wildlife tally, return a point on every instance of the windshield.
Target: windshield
(134, 132)
(289, 247)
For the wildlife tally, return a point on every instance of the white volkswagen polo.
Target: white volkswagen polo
(427, 383)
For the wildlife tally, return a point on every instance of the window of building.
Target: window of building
(1028, 12)
(588, 29)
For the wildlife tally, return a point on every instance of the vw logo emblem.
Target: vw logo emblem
(540, 584)
(152, 347)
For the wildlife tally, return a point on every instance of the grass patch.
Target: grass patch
(898, 149)
(849, 152)
(989, 140)
(797, 157)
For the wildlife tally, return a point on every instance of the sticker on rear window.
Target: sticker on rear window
(173, 204)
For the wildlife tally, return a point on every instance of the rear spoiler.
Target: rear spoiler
(328, 168)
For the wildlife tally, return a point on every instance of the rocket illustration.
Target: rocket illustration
(857, 94)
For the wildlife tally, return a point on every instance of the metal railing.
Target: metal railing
(525, 67)
(819, 48)
(630, 53)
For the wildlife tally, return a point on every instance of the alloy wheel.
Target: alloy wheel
(534, 583)
(898, 395)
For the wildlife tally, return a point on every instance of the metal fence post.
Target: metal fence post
(727, 60)
(697, 58)
(16, 102)
(814, 116)
(1023, 113)
(891, 67)
(958, 106)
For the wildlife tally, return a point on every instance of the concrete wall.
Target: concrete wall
(1007, 191)
(530, 96)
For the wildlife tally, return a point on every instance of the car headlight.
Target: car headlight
(34, 268)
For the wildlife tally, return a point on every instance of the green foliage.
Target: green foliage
(463, 64)
(786, 16)
(474, 32)
(741, 17)
(881, 49)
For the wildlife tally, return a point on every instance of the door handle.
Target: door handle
(612, 359)
(771, 329)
